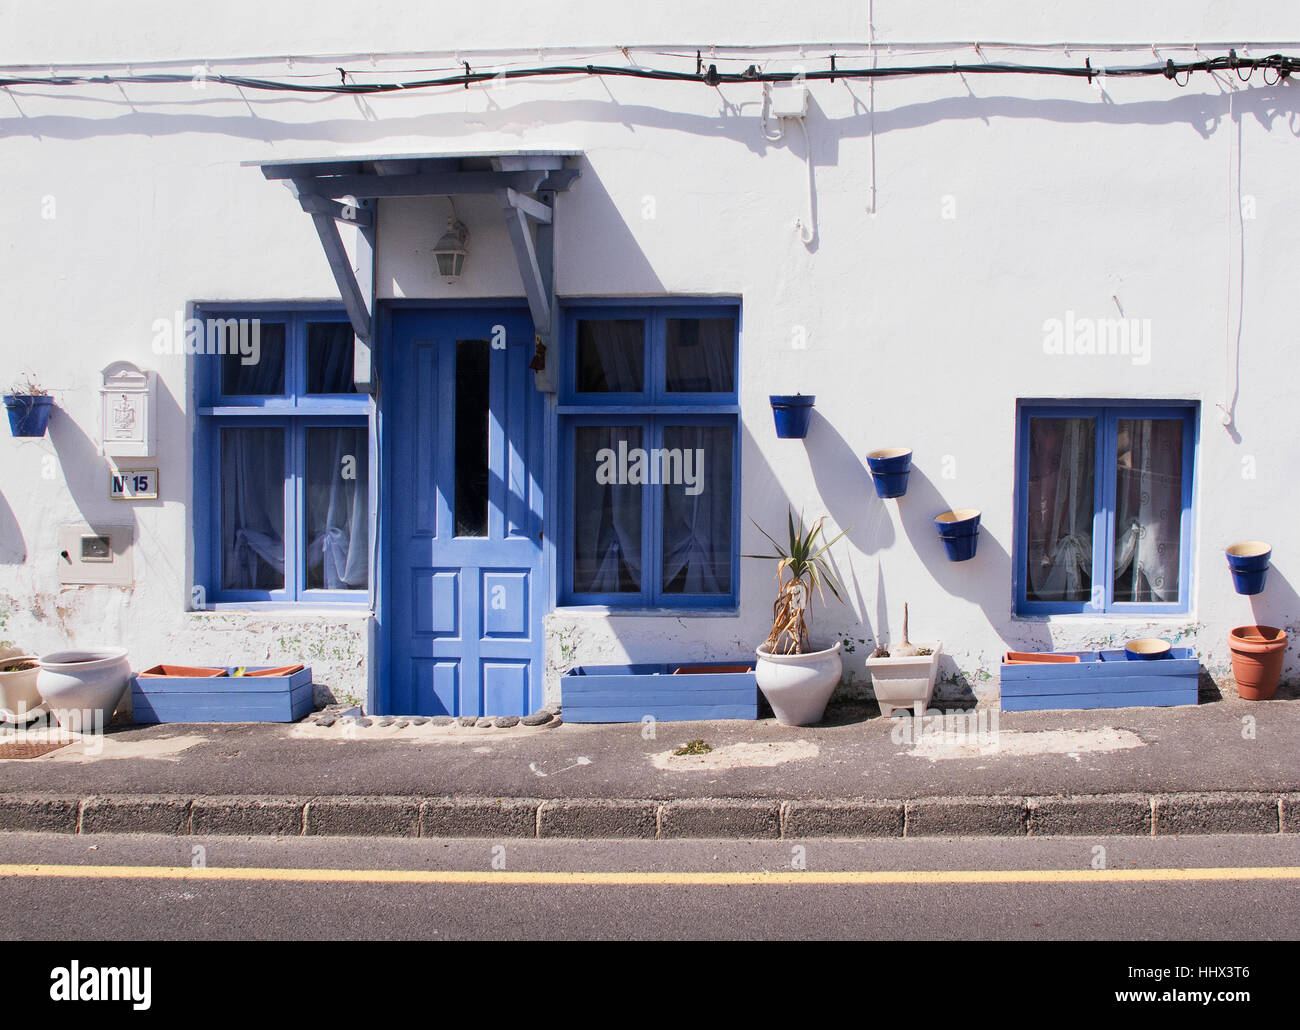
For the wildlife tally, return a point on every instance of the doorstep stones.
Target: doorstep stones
(354, 718)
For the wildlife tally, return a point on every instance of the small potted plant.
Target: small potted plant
(20, 701)
(29, 408)
(795, 676)
(904, 675)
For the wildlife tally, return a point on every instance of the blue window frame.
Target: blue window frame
(1104, 507)
(282, 457)
(650, 455)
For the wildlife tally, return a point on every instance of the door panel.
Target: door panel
(463, 424)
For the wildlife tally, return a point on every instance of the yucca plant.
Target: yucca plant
(804, 558)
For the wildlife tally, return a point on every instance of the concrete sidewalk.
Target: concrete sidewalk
(1225, 766)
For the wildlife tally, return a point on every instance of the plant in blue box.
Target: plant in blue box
(795, 676)
(29, 408)
(792, 413)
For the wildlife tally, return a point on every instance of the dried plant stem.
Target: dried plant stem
(789, 627)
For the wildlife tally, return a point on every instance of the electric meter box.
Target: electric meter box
(95, 554)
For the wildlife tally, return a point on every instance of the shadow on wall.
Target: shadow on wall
(13, 548)
(85, 475)
(607, 240)
(1279, 605)
(738, 117)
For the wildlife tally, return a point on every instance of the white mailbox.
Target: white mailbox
(127, 411)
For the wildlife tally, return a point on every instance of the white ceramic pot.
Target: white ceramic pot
(20, 701)
(87, 681)
(902, 682)
(797, 686)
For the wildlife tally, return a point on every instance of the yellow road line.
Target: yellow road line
(650, 879)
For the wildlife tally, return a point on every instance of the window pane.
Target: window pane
(701, 355)
(252, 509)
(337, 531)
(1062, 500)
(253, 362)
(611, 355)
(695, 469)
(608, 483)
(1148, 509)
(329, 357)
(473, 359)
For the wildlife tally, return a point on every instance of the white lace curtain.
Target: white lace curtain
(1148, 509)
(336, 516)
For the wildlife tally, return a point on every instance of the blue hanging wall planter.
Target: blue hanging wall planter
(960, 532)
(1249, 561)
(890, 467)
(792, 412)
(29, 413)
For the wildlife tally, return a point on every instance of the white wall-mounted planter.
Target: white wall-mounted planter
(902, 682)
(797, 686)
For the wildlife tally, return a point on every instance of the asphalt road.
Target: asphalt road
(541, 890)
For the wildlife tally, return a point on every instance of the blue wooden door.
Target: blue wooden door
(463, 428)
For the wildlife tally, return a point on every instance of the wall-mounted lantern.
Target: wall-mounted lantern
(127, 411)
(450, 250)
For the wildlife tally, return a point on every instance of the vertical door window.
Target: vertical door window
(473, 400)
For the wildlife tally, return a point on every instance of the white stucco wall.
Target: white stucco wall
(1000, 202)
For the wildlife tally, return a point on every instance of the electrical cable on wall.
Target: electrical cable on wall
(1282, 67)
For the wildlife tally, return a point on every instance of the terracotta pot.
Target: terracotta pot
(1257, 654)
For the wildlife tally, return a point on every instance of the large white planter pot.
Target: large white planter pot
(87, 681)
(20, 701)
(797, 686)
(902, 682)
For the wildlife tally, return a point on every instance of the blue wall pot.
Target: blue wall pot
(792, 412)
(889, 470)
(1249, 561)
(961, 548)
(28, 414)
(959, 530)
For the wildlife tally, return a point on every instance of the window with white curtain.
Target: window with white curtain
(282, 458)
(1104, 507)
(650, 456)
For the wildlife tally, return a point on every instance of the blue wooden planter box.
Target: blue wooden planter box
(228, 698)
(628, 693)
(1102, 679)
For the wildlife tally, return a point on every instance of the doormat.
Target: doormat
(30, 748)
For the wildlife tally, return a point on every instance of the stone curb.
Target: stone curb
(1159, 815)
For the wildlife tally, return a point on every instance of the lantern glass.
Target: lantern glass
(449, 252)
